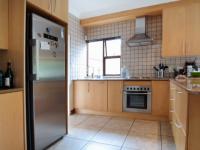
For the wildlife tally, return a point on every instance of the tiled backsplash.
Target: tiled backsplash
(139, 60)
(78, 51)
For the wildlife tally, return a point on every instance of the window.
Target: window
(104, 57)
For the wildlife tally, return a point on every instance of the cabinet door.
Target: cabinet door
(3, 24)
(12, 121)
(115, 89)
(81, 94)
(181, 107)
(60, 9)
(173, 43)
(193, 29)
(43, 4)
(98, 96)
(160, 98)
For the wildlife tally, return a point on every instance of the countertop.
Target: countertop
(123, 79)
(4, 91)
(192, 85)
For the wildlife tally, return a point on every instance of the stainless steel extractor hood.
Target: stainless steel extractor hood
(140, 38)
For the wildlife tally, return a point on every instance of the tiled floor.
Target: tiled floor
(89, 132)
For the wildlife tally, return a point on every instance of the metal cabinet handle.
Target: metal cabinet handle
(177, 125)
(179, 92)
(88, 87)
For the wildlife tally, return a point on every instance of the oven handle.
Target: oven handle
(149, 93)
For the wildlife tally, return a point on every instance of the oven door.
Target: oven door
(137, 102)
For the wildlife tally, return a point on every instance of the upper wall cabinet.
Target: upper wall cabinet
(181, 30)
(3, 24)
(193, 29)
(173, 31)
(58, 8)
(44, 4)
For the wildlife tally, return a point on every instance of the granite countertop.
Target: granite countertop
(123, 79)
(192, 85)
(4, 91)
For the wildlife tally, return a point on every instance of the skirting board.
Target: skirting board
(141, 116)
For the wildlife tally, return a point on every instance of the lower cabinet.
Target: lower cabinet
(12, 121)
(184, 118)
(90, 95)
(160, 98)
(115, 96)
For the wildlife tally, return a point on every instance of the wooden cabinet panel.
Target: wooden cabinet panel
(90, 95)
(179, 137)
(60, 9)
(173, 43)
(193, 29)
(12, 121)
(81, 94)
(98, 96)
(115, 96)
(160, 98)
(43, 4)
(3, 24)
(181, 104)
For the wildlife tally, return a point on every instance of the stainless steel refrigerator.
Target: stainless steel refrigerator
(46, 82)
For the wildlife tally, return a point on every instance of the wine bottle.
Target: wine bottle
(8, 77)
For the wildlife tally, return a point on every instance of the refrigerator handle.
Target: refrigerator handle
(35, 58)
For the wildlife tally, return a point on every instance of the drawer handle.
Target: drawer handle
(177, 125)
(179, 92)
(172, 111)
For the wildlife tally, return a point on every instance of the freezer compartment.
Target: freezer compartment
(49, 112)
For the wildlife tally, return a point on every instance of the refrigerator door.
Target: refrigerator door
(48, 69)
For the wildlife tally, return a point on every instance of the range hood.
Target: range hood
(140, 38)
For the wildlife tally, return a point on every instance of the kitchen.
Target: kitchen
(128, 75)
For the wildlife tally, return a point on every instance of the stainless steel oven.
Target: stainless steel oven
(137, 99)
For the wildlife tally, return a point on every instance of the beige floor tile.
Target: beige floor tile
(99, 146)
(166, 129)
(76, 119)
(111, 136)
(146, 127)
(95, 121)
(85, 133)
(69, 144)
(168, 143)
(119, 124)
(141, 141)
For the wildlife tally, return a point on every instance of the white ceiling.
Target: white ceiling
(90, 8)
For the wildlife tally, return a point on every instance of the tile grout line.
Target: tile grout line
(127, 134)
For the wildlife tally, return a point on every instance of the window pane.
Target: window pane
(113, 47)
(112, 66)
(95, 58)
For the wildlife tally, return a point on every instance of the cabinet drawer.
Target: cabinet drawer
(179, 136)
(181, 107)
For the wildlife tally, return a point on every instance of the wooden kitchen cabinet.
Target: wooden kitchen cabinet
(160, 98)
(115, 96)
(173, 37)
(90, 95)
(185, 120)
(45, 5)
(57, 8)
(181, 30)
(12, 121)
(193, 29)
(3, 24)
(60, 9)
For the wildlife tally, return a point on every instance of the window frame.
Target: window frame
(104, 56)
